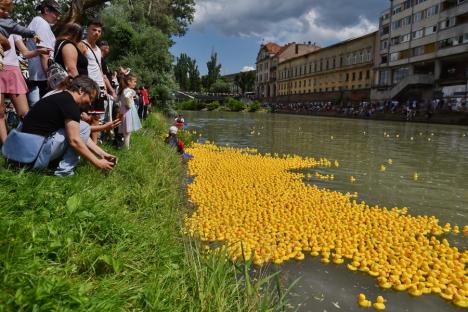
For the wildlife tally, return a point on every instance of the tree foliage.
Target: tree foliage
(245, 81)
(186, 73)
(220, 86)
(214, 71)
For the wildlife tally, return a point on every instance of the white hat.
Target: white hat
(173, 130)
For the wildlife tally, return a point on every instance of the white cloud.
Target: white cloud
(286, 21)
(247, 68)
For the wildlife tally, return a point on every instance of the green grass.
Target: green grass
(114, 242)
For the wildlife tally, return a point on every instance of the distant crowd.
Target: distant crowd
(407, 110)
(64, 95)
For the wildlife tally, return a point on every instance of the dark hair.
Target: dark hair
(72, 32)
(84, 83)
(103, 43)
(95, 23)
(124, 79)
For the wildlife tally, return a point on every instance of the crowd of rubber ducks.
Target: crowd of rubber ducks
(260, 208)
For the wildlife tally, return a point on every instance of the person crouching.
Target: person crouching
(52, 131)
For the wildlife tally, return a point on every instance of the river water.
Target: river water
(426, 170)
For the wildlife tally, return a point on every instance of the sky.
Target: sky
(236, 29)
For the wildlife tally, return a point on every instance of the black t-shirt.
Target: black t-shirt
(49, 114)
(81, 62)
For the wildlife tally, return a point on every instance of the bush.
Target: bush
(235, 105)
(213, 105)
(192, 105)
(255, 106)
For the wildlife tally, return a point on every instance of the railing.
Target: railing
(411, 80)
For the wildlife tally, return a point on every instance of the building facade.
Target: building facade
(423, 49)
(268, 58)
(339, 73)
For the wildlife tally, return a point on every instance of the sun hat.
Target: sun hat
(173, 130)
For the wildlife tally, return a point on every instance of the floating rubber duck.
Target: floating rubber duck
(382, 168)
(397, 136)
(379, 305)
(412, 138)
(337, 164)
(363, 302)
(429, 139)
(456, 229)
(332, 137)
(390, 161)
(415, 176)
(352, 179)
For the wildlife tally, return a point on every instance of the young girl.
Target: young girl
(9, 27)
(128, 111)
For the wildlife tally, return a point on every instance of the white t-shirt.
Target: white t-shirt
(10, 57)
(43, 30)
(94, 68)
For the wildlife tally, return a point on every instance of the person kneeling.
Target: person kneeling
(173, 141)
(53, 132)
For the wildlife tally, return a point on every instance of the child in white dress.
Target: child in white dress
(129, 113)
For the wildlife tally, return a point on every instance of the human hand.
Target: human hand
(43, 51)
(113, 159)
(112, 124)
(104, 164)
(37, 39)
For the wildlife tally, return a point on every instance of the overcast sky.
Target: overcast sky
(236, 28)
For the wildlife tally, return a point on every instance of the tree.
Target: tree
(245, 81)
(186, 73)
(220, 86)
(214, 71)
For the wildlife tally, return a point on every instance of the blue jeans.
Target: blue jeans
(56, 147)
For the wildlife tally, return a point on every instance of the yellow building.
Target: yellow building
(341, 71)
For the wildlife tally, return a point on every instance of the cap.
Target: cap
(50, 4)
(173, 130)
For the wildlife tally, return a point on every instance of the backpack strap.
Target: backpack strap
(92, 51)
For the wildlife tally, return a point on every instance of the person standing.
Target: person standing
(50, 14)
(67, 52)
(94, 55)
(12, 83)
(128, 111)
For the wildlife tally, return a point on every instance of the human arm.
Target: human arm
(72, 130)
(107, 126)
(28, 53)
(70, 59)
(109, 88)
(13, 27)
(4, 43)
(100, 152)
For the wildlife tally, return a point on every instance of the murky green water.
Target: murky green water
(437, 154)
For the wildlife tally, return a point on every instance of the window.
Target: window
(383, 44)
(418, 51)
(334, 63)
(347, 77)
(418, 34)
(405, 38)
(360, 75)
(450, 22)
(384, 59)
(354, 76)
(384, 77)
(396, 24)
(395, 56)
(406, 21)
(399, 74)
(433, 10)
(418, 16)
(465, 38)
(406, 4)
(416, 2)
(367, 74)
(396, 9)
(430, 30)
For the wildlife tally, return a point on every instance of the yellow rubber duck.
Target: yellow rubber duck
(352, 179)
(415, 176)
(390, 161)
(379, 305)
(382, 168)
(363, 302)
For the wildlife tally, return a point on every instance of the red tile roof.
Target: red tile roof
(272, 47)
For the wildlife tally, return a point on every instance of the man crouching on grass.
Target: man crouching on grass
(53, 132)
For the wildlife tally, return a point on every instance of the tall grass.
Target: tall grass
(114, 242)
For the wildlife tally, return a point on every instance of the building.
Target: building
(342, 72)
(268, 58)
(423, 49)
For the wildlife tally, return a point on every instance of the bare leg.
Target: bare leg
(95, 122)
(21, 104)
(127, 139)
(3, 130)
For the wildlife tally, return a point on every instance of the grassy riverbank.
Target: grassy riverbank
(97, 242)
